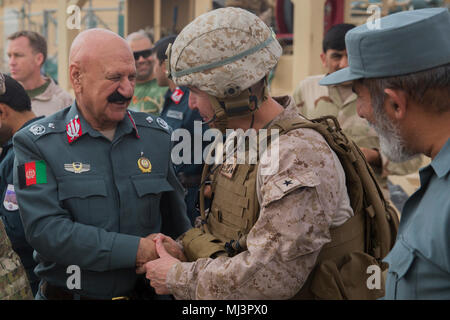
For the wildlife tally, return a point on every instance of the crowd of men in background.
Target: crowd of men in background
(114, 76)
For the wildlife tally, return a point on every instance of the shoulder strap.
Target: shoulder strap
(365, 194)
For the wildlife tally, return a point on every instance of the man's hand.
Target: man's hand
(373, 156)
(156, 270)
(207, 191)
(147, 251)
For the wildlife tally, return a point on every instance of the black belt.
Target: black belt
(52, 292)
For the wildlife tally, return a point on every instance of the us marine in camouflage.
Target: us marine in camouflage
(264, 231)
(13, 279)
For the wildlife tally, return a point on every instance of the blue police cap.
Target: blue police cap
(405, 42)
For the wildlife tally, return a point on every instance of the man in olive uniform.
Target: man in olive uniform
(95, 180)
(401, 74)
(314, 100)
(276, 218)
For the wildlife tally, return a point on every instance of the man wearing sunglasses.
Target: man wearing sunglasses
(148, 96)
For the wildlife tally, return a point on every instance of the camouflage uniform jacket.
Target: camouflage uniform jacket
(314, 100)
(13, 279)
(293, 225)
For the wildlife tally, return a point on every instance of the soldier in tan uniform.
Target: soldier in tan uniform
(314, 100)
(265, 228)
(13, 279)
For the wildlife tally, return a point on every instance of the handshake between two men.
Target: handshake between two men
(156, 255)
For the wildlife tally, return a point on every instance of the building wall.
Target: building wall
(18, 15)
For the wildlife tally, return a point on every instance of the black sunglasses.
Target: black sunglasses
(143, 53)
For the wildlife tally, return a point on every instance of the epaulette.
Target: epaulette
(44, 127)
(143, 119)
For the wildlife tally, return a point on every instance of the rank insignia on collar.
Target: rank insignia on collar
(162, 123)
(77, 167)
(134, 124)
(149, 119)
(74, 129)
(177, 95)
(144, 164)
(37, 129)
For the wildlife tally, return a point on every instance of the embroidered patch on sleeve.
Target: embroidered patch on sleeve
(287, 184)
(32, 173)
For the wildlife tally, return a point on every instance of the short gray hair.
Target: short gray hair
(430, 88)
(138, 35)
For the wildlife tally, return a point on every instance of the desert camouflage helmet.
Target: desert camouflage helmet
(223, 52)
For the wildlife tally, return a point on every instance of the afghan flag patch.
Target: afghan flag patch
(32, 173)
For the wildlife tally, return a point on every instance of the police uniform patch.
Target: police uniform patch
(177, 95)
(74, 129)
(32, 173)
(144, 164)
(10, 200)
(175, 114)
(37, 129)
(77, 167)
(162, 123)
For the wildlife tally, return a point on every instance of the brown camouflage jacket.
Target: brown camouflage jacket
(293, 225)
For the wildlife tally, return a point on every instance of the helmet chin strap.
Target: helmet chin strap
(244, 104)
(220, 117)
(209, 121)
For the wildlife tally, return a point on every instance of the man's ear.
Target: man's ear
(39, 57)
(4, 111)
(75, 77)
(323, 57)
(397, 103)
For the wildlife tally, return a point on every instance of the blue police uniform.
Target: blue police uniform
(177, 114)
(87, 201)
(419, 263)
(9, 212)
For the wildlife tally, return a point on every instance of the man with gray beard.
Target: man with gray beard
(401, 74)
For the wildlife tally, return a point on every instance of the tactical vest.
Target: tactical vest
(341, 267)
(232, 214)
